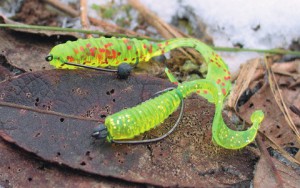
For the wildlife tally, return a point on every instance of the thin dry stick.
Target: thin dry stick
(162, 27)
(268, 159)
(84, 18)
(72, 12)
(49, 112)
(62, 7)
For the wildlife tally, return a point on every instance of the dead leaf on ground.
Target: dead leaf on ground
(274, 126)
(20, 169)
(38, 116)
(25, 51)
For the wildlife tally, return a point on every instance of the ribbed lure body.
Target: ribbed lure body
(128, 123)
(134, 121)
(104, 52)
(131, 122)
(101, 52)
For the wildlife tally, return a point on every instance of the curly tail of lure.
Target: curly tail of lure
(222, 135)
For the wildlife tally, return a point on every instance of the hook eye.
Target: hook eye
(49, 57)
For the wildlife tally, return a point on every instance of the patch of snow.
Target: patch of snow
(263, 24)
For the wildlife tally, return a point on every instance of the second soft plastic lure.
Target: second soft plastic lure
(131, 122)
(104, 52)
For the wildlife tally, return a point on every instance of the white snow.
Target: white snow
(231, 22)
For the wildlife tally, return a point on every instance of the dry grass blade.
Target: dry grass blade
(62, 7)
(279, 100)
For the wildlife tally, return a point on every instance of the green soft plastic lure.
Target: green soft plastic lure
(131, 122)
(104, 52)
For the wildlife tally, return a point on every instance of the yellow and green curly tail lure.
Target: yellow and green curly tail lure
(126, 124)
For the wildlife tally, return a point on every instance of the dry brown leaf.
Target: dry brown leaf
(281, 101)
(275, 126)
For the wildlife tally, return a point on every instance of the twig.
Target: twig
(270, 51)
(70, 30)
(84, 18)
(19, 106)
(279, 100)
(268, 159)
(62, 7)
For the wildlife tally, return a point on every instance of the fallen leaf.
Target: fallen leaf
(24, 51)
(274, 124)
(52, 114)
(20, 169)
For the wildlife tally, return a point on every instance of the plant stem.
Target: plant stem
(270, 51)
(70, 30)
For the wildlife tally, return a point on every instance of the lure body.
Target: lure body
(101, 52)
(134, 121)
(131, 122)
(104, 52)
